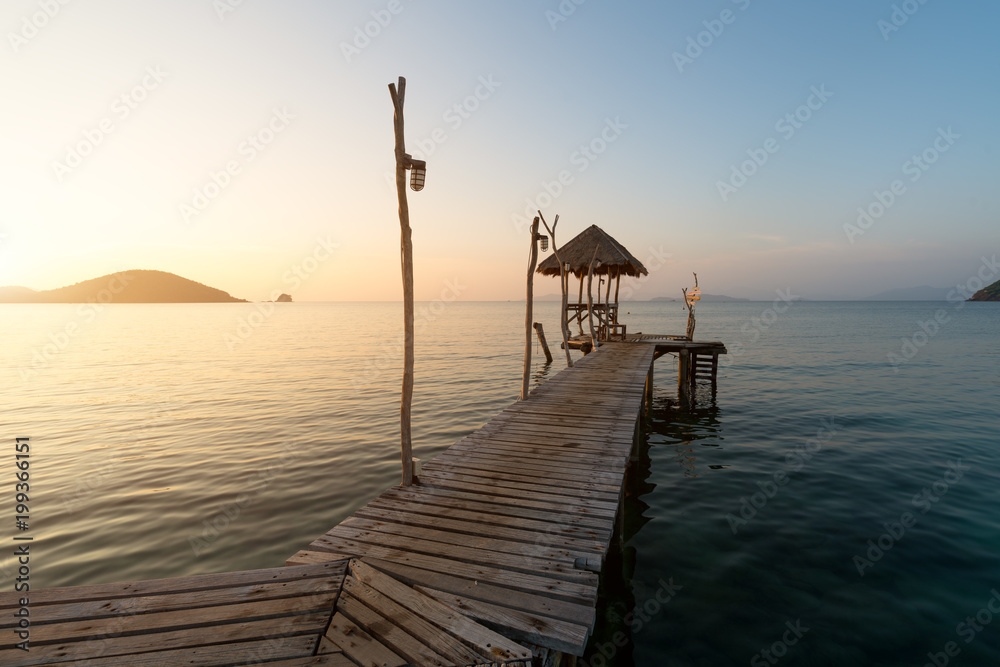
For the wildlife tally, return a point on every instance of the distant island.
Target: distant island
(988, 293)
(134, 286)
(287, 298)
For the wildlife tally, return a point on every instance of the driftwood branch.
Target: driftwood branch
(528, 305)
(406, 259)
(563, 285)
(590, 299)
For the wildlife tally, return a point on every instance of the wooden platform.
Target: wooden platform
(511, 524)
(496, 553)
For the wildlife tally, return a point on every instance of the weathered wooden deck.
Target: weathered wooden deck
(495, 554)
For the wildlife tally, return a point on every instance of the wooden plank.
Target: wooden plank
(98, 646)
(172, 585)
(543, 432)
(131, 623)
(572, 591)
(572, 538)
(346, 538)
(531, 603)
(588, 453)
(519, 625)
(526, 547)
(602, 466)
(350, 638)
(502, 487)
(551, 472)
(530, 532)
(282, 650)
(480, 640)
(597, 517)
(501, 472)
(417, 633)
(387, 631)
(96, 609)
(563, 450)
(337, 659)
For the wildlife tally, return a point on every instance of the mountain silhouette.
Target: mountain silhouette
(134, 286)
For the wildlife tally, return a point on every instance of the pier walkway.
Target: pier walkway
(494, 555)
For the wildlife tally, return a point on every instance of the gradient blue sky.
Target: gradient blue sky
(555, 87)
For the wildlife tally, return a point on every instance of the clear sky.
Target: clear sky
(739, 137)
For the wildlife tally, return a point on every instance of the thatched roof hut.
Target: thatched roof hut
(614, 259)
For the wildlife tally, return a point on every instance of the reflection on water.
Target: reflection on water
(159, 451)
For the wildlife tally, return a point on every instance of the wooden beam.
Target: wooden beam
(563, 284)
(590, 300)
(541, 341)
(528, 304)
(406, 243)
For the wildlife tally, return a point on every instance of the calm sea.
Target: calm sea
(825, 507)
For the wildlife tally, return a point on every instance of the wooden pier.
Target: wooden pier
(492, 558)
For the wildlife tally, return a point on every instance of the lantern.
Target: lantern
(418, 172)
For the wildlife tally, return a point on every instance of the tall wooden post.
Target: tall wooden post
(563, 285)
(532, 262)
(406, 252)
(684, 373)
(541, 341)
(590, 299)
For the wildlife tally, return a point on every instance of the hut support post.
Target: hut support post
(541, 341)
(528, 302)
(684, 372)
(406, 252)
(563, 284)
(579, 299)
(649, 390)
(590, 300)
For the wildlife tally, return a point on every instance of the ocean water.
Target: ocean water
(783, 519)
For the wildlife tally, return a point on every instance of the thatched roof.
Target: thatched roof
(613, 257)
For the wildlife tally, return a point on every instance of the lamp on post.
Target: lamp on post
(418, 173)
